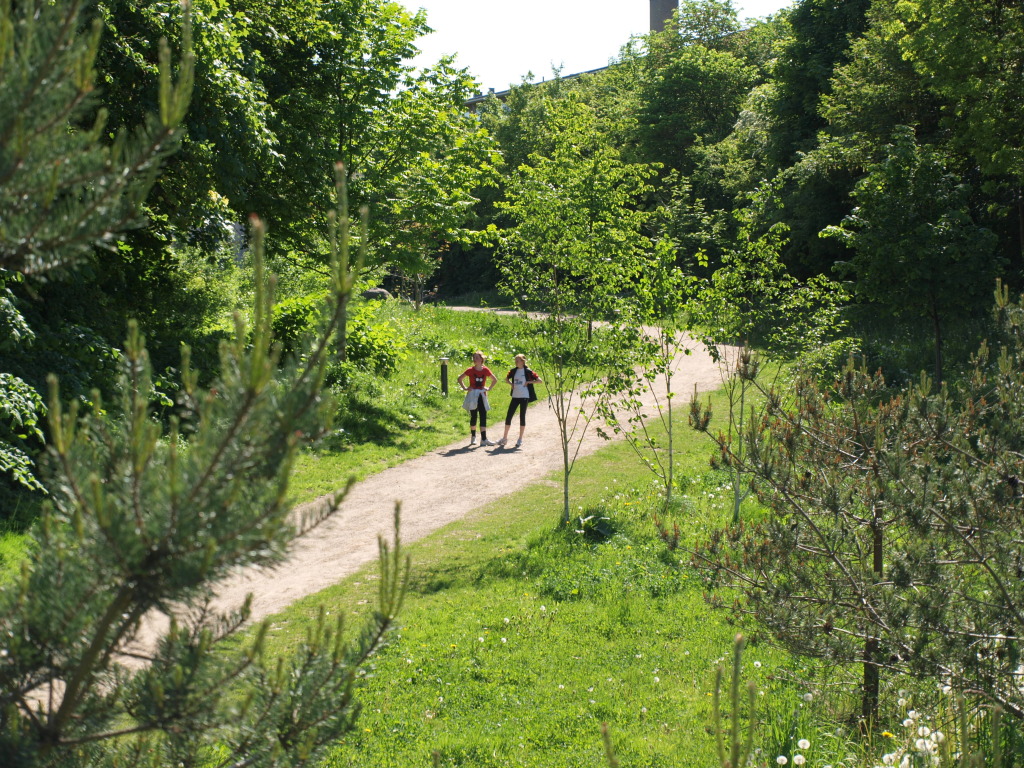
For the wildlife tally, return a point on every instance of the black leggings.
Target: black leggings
(483, 415)
(517, 402)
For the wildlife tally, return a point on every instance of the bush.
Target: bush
(296, 318)
(376, 347)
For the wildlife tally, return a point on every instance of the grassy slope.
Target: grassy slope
(519, 640)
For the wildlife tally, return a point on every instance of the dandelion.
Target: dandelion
(924, 731)
(781, 759)
(480, 639)
(902, 702)
(938, 737)
(921, 745)
(504, 639)
(757, 664)
(543, 608)
(913, 714)
(803, 744)
(808, 696)
(889, 734)
(908, 723)
(561, 687)
(506, 619)
(889, 758)
(657, 679)
(799, 760)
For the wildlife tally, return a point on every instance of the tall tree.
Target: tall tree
(971, 56)
(917, 249)
(821, 34)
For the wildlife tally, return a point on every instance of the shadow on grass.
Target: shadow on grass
(360, 421)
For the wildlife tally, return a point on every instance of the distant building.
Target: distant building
(661, 12)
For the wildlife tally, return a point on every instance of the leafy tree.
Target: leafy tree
(661, 305)
(821, 35)
(574, 252)
(342, 90)
(970, 54)
(439, 158)
(63, 190)
(709, 23)
(917, 249)
(752, 299)
(878, 89)
(694, 98)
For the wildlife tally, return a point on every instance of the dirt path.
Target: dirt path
(434, 490)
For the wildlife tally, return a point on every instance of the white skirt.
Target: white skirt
(472, 398)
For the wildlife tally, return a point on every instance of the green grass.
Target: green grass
(519, 639)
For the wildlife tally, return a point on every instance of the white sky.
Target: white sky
(499, 42)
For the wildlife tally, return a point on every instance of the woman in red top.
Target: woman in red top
(476, 396)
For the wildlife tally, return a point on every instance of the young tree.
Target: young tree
(146, 521)
(752, 301)
(574, 253)
(894, 527)
(660, 306)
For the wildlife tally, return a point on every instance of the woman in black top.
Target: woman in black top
(522, 380)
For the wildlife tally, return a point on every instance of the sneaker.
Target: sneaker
(485, 441)
(501, 441)
(519, 443)
(472, 440)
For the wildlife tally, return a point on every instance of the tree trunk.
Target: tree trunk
(671, 457)
(869, 700)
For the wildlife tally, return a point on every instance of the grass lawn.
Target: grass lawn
(519, 640)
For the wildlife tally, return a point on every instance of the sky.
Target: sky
(500, 42)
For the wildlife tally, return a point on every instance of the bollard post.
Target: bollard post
(444, 376)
